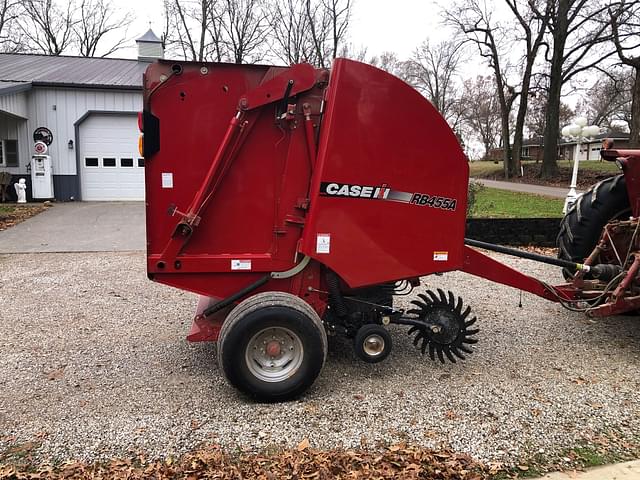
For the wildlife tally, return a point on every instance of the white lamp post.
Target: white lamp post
(578, 131)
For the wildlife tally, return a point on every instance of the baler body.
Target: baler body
(350, 167)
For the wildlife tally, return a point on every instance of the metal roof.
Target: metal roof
(149, 37)
(7, 88)
(47, 70)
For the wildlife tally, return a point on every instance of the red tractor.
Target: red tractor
(297, 202)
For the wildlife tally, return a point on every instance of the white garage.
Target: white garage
(110, 166)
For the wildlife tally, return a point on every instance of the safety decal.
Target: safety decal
(323, 243)
(383, 192)
(167, 180)
(440, 256)
(240, 264)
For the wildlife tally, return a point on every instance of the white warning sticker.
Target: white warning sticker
(167, 180)
(323, 243)
(240, 264)
(440, 256)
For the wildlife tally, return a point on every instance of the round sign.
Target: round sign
(40, 148)
(43, 134)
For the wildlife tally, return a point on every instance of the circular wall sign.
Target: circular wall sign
(43, 134)
(40, 148)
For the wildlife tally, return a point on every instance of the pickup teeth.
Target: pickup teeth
(445, 333)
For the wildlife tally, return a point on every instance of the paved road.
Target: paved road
(79, 227)
(557, 192)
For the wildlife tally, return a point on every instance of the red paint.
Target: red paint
(378, 172)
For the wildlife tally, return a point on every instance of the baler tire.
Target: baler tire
(367, 331)
(581, 227)
(283, 314)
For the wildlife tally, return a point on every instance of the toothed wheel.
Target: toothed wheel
(446, 331)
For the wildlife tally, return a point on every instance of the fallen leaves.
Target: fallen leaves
(12, 214)
(303, 462)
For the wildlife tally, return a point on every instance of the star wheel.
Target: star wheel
(445, 331)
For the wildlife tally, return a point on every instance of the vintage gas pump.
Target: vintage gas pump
(41, 174)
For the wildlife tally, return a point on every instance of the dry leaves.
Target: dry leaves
(11, 214)
(398, 461)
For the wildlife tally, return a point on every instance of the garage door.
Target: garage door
(111, 168)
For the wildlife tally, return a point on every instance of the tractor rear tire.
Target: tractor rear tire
(272, 346)
(582, 226)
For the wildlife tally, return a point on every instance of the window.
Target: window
(9, 153)
(91, 162)
(126, 162)
(108, 162)
(141, 162)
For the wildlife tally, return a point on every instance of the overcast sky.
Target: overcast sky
(380, 25)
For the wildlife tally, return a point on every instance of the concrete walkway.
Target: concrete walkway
(557, 192)
(619, 471)
(79, 227)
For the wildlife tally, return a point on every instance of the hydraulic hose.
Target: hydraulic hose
(531, 256)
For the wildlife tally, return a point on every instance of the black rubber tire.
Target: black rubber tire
(582, 226)
(262, 311)
(364, 332)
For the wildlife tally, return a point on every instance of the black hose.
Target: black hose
(225, 302)
(519, 253)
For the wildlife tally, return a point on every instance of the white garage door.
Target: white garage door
(111, 167)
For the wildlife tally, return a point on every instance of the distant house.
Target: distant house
(86, 109)
(532, 148)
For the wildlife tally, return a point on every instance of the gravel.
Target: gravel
(95, 365)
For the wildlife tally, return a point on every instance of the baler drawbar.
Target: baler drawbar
(298, 202)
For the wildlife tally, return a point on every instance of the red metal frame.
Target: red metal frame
(352, 168)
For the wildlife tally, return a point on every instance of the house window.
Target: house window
(9, 153)
(524, 152)
(108, 162)
(126, 162)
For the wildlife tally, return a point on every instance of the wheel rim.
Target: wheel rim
(274, 354)
(373, 345)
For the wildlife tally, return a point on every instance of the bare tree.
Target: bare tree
(579, 36)
(536, 119)
(608, 101)
(473, 19)
(290, 30)
(246, 27)
(97, 19)
(47, 27)
(328, 22)
(194, 29)
(481, 112)
(625, 25)
(433, 71)
(531, 23)
(9, 36)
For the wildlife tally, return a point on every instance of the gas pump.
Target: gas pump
(41, 174)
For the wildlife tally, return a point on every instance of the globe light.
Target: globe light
(591, 131)
(580, 121)
(566, 130)
(575, 130)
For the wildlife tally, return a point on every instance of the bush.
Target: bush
(475, 188)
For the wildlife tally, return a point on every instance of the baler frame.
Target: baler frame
(296, 271)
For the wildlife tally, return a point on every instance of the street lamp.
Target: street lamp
(578, 131)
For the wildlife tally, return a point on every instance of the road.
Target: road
(557, 192)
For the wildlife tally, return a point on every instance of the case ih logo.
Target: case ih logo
(382, 192)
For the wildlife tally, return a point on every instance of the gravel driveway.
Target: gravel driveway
(95, 364)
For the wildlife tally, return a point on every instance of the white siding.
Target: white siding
(14, 103)
(13, 128)
(70, 105)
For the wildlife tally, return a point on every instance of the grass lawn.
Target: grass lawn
(495, 203)
(486, 168)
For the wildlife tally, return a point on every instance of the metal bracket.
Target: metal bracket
(292, 271)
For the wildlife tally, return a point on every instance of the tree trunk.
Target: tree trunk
(634, 137)
(552, 115)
